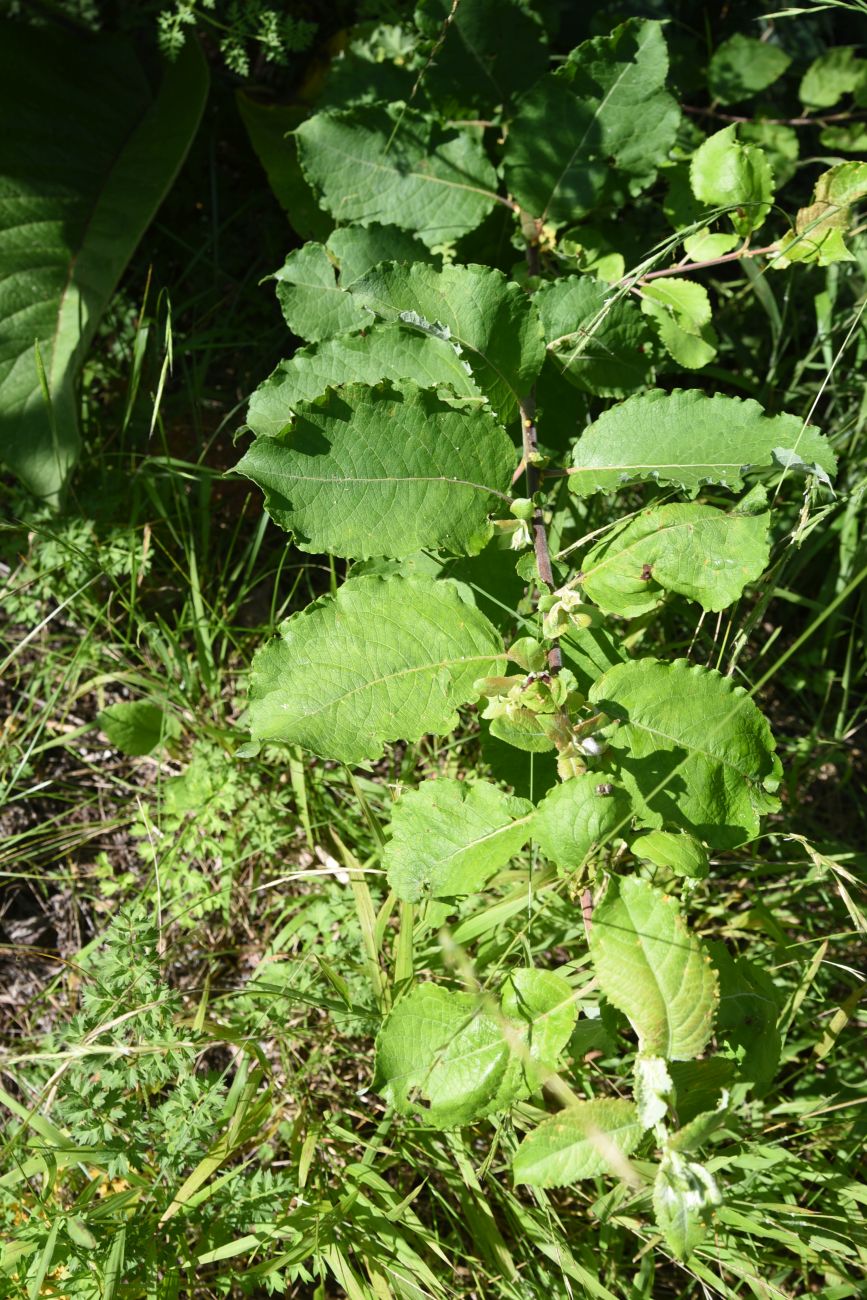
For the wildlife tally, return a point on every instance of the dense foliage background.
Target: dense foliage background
(196, 936)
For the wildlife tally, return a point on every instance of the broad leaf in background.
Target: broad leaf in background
(477, 309)
(727, 174)
(578, 816)
(270, 128)
(385, 659)
(685, 1195)
(682, 313)
(692, 749)
(596, 97)
(582, 1141)
(832, 75)
(492, 50)
(687, 438)
(384, 471)
(749, 1009)
(602, 348)
(697, 551)
(680, 852)
(652, 968)
(443, 1056)
(137, 726)
(392, 352)
(394, 166)
(449, 837)
(89, 150)
(742, 66)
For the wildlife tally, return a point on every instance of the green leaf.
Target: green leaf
(442, 1055)
(577, 817)
(780, 144)
(699, 552)
(137, 727)
(490, 320)
(270, 128)
(449, 837)
(492, 50)
(684, 1197)
(603, 348)
(360, 248)
(687, 438)
(727, 174)
(583, 1141)
(682, 313)
(604, 87)
(742, 66)
(383, 352)
(394, 166)
(692, 749)
(313, 304)
(385, 659)
(680, 852)
(652, 968)
(384, 471)
(831, 76)
(851, 138)
(623, 75)
(87, 155)
(749, 1010)
(705, 244)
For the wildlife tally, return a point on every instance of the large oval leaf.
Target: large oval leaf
(384, 471)
(653, 969)
(692, 748)
(88, 152)
(688, 438)
(392, 165)
(384, 659)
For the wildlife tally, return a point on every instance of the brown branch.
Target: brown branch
(684, 267)
(774, 121)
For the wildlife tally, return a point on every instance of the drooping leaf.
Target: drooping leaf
(444, 1056)
(384, 470)
(652, 968)
(492, 50)
(603, 88)
(742, 66)
(705, 554)
(270, 128)
(578, 816)
(137, 727)
(394, 166)
(687, 438)
(449, 837)
(385, 659)
(727, 174)
(692, 749)
(831, 76)
(818, 233)
(381, 352)
(587, 1139)
(749, 1010)
(602, 348)
(685, 1195)
(680, 852)
(88, 152)
(682, 313)
(476, 308)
